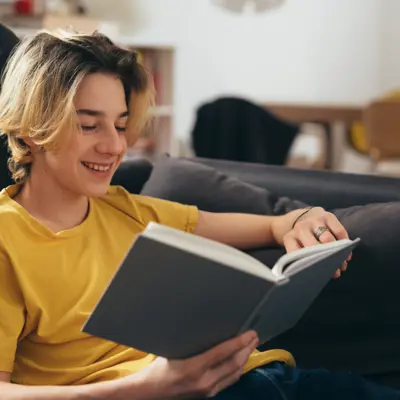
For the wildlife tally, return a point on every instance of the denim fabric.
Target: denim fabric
(279, 382)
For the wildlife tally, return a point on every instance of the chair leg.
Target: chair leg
(374, 157)
(374, 167)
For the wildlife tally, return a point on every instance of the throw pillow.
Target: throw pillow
(188, 182)
(354, 324)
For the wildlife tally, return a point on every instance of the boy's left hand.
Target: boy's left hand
(316, 226)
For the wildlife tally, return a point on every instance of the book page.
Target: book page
(305, 262)
(283, 265)
(207, 248)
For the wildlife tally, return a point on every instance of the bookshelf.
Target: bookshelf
(158, 58)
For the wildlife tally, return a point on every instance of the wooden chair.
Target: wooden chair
(382, 126)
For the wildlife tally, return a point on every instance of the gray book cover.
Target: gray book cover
(174, 303)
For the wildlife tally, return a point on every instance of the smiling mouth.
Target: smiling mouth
(97, 167)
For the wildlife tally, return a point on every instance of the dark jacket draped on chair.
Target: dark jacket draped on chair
(236, 129)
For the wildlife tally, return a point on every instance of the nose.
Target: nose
(112, 142)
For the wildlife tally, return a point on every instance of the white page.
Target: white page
(302, 263)
(304, 253)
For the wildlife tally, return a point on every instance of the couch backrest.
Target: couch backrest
(325, 188)
(329, 189)
(132, 174)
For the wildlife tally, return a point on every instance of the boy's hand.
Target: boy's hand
(316, 226)
(204, 375)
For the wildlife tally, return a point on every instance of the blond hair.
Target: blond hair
(40, 83)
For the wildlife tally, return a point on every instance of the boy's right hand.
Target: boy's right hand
(204, 375)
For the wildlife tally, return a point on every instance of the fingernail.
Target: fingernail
(254, 343)
(256, 338)
(337, 274)
(344, 268)
(252, 336)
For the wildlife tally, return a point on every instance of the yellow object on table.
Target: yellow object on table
(358, 137)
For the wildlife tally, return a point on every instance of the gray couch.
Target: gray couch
(355, 324)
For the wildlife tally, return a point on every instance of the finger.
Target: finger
(291, 243)
(225, 350)
(340, 233)
(337, 274)
(231, 370)
(307, 238)
(234, 363)
(327, 237)
(225, 383)
(336, 227)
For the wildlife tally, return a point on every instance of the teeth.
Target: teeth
(96, 167)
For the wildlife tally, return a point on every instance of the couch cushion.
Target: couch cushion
(355, 323)
(188, 182)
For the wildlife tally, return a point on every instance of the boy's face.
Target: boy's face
(87, 162)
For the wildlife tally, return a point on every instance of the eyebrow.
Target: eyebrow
(97, 113)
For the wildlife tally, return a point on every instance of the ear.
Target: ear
(31, 144)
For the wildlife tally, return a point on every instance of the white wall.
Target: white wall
(390, 48)
(306, 51)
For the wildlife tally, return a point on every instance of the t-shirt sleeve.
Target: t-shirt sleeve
(176, 215)
(12, 314)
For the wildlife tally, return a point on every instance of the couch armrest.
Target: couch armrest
(328, 189)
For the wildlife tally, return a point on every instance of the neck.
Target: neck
(56, 207)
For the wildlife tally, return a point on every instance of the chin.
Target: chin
(97, 190)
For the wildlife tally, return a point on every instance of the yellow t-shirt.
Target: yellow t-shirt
(50, 282)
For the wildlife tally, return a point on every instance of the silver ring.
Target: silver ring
(319, 231)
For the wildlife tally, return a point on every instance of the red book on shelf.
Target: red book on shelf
(23, 7)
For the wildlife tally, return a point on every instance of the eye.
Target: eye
(88, 128)
(121, 129)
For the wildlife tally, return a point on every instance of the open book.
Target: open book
(176, 294)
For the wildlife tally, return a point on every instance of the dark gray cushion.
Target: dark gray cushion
(188, 182)
(378, 224)
(354, 324)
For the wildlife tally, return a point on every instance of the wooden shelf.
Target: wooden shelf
(159, 60)
(162, 111)
(142, 43)
(49, 21)
(30, 25)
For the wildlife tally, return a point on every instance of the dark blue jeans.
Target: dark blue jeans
(279, 382)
